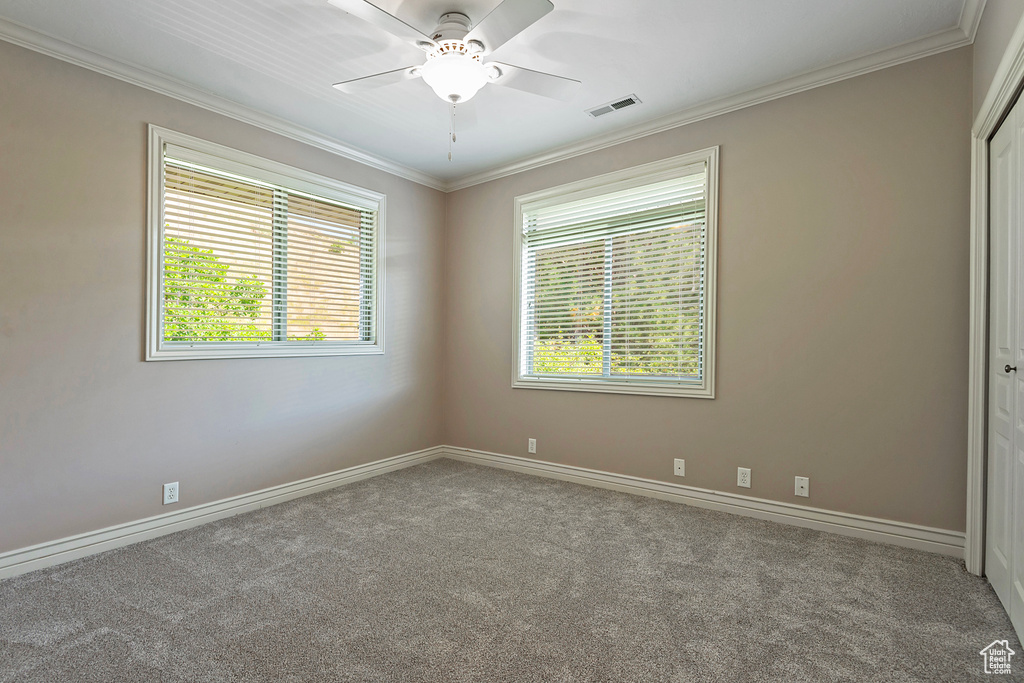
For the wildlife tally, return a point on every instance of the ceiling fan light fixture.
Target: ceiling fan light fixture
(454, 77)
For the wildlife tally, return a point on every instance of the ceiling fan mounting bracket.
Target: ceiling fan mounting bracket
(452, 26)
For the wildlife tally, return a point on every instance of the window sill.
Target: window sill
(208, 351)
(604, 386)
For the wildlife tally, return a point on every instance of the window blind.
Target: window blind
(249, 261)
(613, 286)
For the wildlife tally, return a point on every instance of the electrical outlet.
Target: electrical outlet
(170, 493)
(743, 477)
(680, 467)
(802, 487)
(531, 447)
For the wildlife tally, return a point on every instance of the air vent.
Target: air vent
(615, 105)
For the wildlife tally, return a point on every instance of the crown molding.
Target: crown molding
(970, 17)
(963, 34)
(144, 78)
(950, 39)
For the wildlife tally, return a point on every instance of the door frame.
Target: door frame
(1008, 81)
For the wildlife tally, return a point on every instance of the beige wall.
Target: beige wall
(88, 431)
(842, 351)
(998, 22)
(842, 314)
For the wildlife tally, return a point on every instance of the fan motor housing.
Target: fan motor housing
(449, 36)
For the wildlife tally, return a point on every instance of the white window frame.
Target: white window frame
(248, 165)
(605, 184)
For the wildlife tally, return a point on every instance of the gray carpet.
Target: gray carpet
(451, 572)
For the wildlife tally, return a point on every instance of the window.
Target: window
(249, 258)
(615, 285)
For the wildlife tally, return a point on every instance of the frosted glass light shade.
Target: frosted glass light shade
(454, 77)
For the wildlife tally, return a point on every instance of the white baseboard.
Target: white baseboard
(73, 547)
(51, 553)
(870, 528)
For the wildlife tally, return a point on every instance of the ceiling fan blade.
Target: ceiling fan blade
(357, 85)
(506, 21)
(388, 22)
(536, 82)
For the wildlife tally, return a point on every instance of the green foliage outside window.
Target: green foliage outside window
(653, 307)
(203, 303)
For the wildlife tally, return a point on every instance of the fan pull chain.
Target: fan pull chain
(451, 131)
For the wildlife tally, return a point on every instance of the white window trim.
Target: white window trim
(604, 184)
(250, 165)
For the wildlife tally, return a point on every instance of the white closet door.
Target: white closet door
(1016, 475)
(1004, 552)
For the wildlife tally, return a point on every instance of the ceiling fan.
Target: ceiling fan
(454, 67)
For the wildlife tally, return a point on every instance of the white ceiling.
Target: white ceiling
(273, 62)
